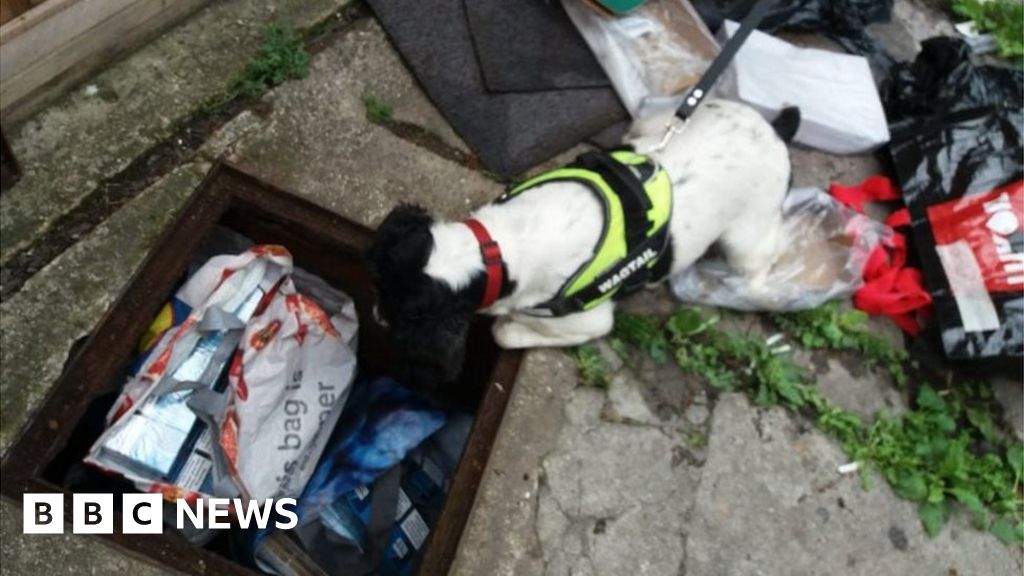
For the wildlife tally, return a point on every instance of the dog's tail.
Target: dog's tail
(787, 123)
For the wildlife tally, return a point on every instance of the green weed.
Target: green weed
(937, 455)
(640, 332)
(831, 327)
(377, 111)
(697, 440)
(280, 57)
(593, 368)
(1003, 18)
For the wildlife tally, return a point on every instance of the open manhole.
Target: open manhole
(321, 242)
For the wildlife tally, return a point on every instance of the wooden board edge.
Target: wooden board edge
(27, 20)
(83, 56)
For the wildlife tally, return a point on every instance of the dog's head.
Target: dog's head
(427, 320)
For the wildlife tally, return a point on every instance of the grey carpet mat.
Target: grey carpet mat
(509, 132)
(530, 45)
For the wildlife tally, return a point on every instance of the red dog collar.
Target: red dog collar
(493, 262)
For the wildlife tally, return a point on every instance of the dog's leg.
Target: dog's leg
(751, 244)
(522, 331)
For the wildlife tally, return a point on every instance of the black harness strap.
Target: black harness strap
(577, 302)
(629, 188)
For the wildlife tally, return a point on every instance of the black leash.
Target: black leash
(721, 62)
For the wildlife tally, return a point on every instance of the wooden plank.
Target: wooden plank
(32, 18)
(50, 27)
(10, 9)
(50, 49)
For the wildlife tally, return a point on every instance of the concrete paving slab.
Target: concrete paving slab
(76, 555)
(501, 536)
(771, 502)
(1009, 392)
(65, 300)
(849, 385)
(615, 473)
(318, 142)
(68, 148)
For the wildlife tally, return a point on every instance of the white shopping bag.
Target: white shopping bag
(289, 382)
(167, 432)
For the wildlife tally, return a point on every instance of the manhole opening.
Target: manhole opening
(47, 455)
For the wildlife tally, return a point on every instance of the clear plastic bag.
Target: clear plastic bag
(821, 257)
(653, 55)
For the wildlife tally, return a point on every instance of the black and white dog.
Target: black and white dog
(729, 169)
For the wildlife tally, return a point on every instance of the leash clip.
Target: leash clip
(671, 129)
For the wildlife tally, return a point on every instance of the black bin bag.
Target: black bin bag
(957, 153)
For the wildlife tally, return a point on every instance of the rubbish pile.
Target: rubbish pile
(247, 386)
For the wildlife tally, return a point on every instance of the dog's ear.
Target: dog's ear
(402, 244)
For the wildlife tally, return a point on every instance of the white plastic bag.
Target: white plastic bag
(823, 248)
(289, 382)
(652, 55)
(166, 431)
(840, 110)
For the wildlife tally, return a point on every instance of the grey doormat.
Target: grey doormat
(530, 45)
(509, 132)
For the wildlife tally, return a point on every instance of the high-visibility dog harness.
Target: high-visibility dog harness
(636, 196)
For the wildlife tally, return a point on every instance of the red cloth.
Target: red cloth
(890, 286)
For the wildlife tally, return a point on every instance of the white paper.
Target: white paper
(840, 110)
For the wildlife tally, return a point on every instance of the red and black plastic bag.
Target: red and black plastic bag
(962, 182)
(958, 156)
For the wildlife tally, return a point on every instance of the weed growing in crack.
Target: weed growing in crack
(377, 111)
(938, 454)
(280, 57)
(593, 368)
(833, 328)
(640, 332)
(697, 440)
(945, 450)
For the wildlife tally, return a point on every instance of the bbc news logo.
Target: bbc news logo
(144, 513)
